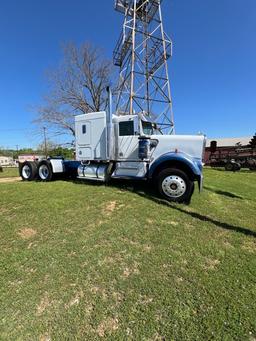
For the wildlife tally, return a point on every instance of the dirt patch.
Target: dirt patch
(110, 207)
(157, 337)
(145, 300)
(45, 338)
(27, 233)
(211, 264)
(7, 180)
(75, 300)
(174, 223)
(249, 246)
(4, 210)
(107, 326)
(179, 280)
(227, 244)
(43, 305)
(118, 297)
(147, 248)
(129, 271)
(144, 247)
(96, 290)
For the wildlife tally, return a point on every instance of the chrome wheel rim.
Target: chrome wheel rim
(174, 186)
(26, 172)
(43, 172)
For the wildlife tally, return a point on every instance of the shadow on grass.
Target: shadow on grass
(201, 217)
(226, 194)
(143, 190)
(146, 190)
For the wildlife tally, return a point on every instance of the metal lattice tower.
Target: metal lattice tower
(142, 53)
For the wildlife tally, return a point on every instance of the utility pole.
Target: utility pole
(45, 142)
(17, 151)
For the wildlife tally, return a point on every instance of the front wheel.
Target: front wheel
(175, 185)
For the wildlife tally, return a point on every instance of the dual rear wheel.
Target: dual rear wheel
(30, 171)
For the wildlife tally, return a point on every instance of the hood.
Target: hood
(192, 145)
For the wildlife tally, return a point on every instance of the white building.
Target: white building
(30, 157)
(6, 161)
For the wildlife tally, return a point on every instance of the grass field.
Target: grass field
(89, 262)
(9, 172)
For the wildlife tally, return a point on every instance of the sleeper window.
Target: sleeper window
(84, 129)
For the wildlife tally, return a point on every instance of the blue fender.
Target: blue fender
(195, 165)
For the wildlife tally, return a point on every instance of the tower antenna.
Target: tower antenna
(142, 54)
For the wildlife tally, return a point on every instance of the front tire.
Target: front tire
(174, 185)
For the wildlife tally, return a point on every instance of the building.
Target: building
(228, 148)
(6, 161)
(30, 157)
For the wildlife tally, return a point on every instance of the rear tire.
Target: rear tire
(174, 185)
(28, 171)
(45, 172)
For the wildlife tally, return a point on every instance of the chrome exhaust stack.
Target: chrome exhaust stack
(109, 125)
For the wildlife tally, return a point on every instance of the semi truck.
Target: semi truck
(127, 147)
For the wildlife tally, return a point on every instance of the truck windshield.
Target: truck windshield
(149, 128)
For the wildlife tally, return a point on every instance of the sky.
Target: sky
(212, 72)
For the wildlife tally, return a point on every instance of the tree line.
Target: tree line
(53, 151)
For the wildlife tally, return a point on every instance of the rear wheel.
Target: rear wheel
(175, 185)
(45, 171)
(28, 171)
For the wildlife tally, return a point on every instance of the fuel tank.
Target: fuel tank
(93, 171)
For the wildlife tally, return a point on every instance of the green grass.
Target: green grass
(89, 262)
(9, 172)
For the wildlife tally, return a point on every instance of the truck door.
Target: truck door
(127, 150)
(128, 140)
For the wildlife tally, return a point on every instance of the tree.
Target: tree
(77, 87)
(66, 153)
(49, 147)
(252, 143)
(55, 150)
